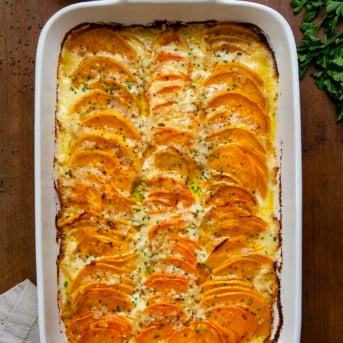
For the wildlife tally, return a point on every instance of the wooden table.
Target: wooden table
(322, 139)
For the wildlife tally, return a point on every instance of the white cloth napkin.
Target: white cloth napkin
(18, 314)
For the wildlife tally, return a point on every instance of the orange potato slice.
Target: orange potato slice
(99, 39)
(239, 107)
(168, 192)
(97, 68)
(107, 142)
(102, 335)
(103, 300)
(99, 101)
(172, 160)
(229, 44)
(231, 281)
(186, 248)
(165, 282)
(170, 135)
(163, 56)
(123, 175)
(233, 160)
(231, 29)
(91, 243)
(162, 298)
(111, 120)
(179, 263)
(238, 79)
(245, 267)
(223, 222)
(166, 228)
(209, 332)
(230, 248)
(223, 194)
(81, 324)
(154, 333)
(81, 197)
(235, 318)
(185, 335)
(241, 136)
(169, 37)
(77, 298)
(126, 262)
(99, 272)
(161, 314)
(116, 89)
(249, 301)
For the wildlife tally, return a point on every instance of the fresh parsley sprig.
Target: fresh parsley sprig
(322, 46)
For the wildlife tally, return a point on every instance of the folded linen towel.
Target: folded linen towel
(18, 314)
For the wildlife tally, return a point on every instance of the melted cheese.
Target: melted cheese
(179, 220)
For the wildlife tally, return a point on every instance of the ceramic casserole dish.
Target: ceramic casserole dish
(281, 41)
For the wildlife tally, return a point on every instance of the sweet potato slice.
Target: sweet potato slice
(91, 243)
(98, 272)
(169, 37)
(97, 192)
(224, 222)
(232, 29)
(230, 44)
(186, 247)
(231, 281)
(237, 107)
(81, 197)
(245, 266)
(248, 300)
(230, 248)
(97, 68)
(79, 325)
(103, 300)
(166, 228)
(238, 78)
(103, 335)
(223, 194)
(100, 39)
(154, 333)
(235, 318)
(123, 175)
(107, 142)
(185, 335)
(164, 56)
(162, 298)
(172, 160)
(179, 263)
(161, 314)
(111, 120)
(170, 135)
(115, 321)
(209, 332)
(99, 101)
(168, 192)
(235, 161)
(241, 136)
(164, 282)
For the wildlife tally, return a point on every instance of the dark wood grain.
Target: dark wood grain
(322, 139)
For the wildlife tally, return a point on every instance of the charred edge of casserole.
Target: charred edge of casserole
(278, 266)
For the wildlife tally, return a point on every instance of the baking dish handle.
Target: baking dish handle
(159, 1)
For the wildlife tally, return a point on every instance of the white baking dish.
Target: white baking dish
(281, 40)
